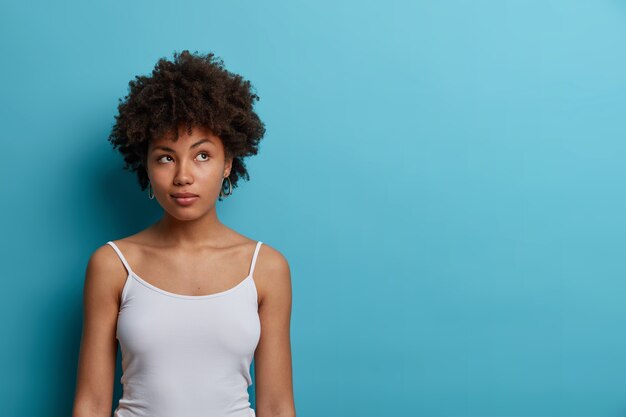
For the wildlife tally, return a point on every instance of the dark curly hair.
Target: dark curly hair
(191, 90)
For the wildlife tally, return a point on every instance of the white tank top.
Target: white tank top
(186, 355)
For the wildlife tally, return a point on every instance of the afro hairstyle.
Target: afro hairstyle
(189, 91)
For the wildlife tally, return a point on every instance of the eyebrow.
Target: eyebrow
(198, 143)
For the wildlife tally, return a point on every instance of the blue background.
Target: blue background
(446, 179)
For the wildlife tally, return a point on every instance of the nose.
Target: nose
(183, 175)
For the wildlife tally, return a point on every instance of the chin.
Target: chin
(186, 213)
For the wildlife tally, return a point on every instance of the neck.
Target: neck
(189, 233)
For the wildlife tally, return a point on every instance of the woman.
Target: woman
(173, 294)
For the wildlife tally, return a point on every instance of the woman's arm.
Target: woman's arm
(272, 359)
(98, 347)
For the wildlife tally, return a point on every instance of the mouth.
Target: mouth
(184, 199)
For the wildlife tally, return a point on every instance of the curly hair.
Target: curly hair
(191, 90)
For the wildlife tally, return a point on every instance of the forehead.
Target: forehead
(186, 140)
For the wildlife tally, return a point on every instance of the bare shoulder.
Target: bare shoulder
(273, 259)
(105, 275)
(272, 273)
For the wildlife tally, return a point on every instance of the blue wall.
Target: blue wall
(446, 179)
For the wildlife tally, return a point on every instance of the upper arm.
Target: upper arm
(273, 369)
(98, 346)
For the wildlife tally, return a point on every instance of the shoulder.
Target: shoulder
(105, 274)
(105, 259)
(272, 260)
(272, 273)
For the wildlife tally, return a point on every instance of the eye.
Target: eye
(163, 156)
(205, 154)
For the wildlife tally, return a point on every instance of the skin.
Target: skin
(175, 254)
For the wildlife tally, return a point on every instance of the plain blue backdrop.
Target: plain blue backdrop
(446, 179)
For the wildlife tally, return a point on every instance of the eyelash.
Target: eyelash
(201, 153)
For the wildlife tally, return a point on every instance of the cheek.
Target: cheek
(159, 176)
(208, 176)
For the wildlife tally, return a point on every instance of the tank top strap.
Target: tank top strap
(119, 253)
(256, 253)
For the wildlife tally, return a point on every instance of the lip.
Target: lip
(183, 195)
(185, 201)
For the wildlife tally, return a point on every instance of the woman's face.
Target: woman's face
(194, 164)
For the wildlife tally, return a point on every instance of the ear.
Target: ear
(228, 165)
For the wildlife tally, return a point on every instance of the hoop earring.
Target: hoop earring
(150, 191)
(230, 188)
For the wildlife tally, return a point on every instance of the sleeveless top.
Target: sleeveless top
(186, 355)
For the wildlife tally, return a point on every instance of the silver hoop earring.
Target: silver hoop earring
(150, 191)
(230, 188)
